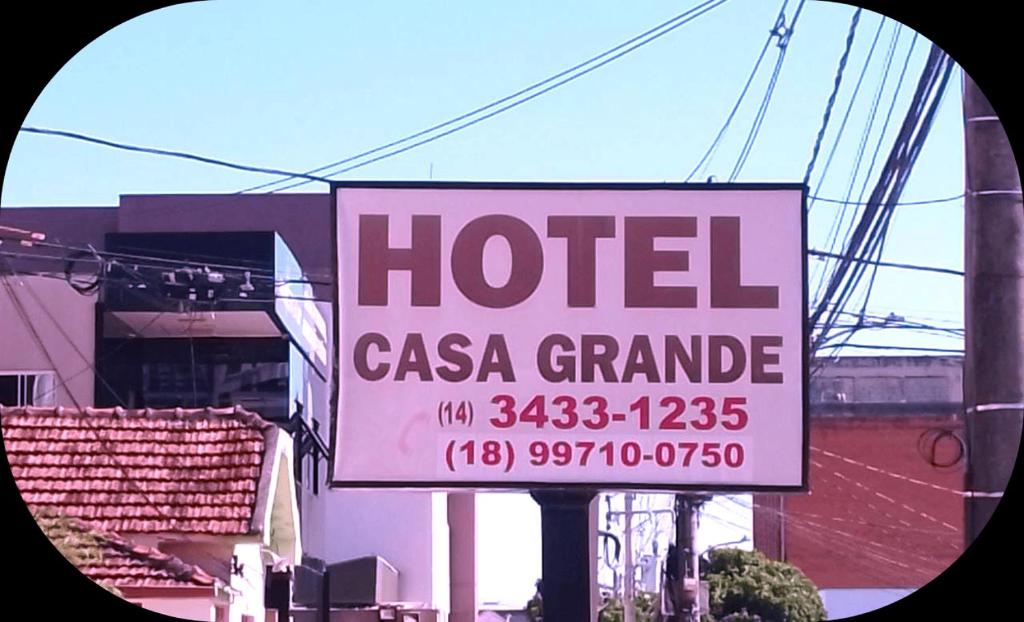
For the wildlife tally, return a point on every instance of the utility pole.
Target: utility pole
(628, 572)
(686, 590)
(994, 309)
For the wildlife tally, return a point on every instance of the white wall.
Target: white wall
(846, 602)
(407, 528)
(249, 583)
(76, 314)
(189, 608)
(441, 597)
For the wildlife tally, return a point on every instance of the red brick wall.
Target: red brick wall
(859, 527)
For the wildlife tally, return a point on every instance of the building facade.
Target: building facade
(214, 300)
(885, 510)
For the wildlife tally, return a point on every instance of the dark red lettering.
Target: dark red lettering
(377, 259)
(446, 349)
(581, 234)
(717, 344)
(359, 356)
(642, 261)
(566, 363)
(727, 292)
(468, 255)
(640, 360)
(591, 358)
(676, 353)
(759, 358)
(413, 359)
(496, 360)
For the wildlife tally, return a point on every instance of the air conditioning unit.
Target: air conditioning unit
(361, 582)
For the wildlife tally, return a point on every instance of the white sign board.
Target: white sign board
(617, 336)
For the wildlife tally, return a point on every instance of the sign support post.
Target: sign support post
(565, 566)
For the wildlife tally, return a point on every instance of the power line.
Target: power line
(739, 100)
(832, 97)
(308, 176)
(952, 333)
(892, 106)
(876, 238)
(901, 318)
(103, 277)
(152, 261)
(838, 219)
(866, 237)
(107, 354)
(785, 34)
(849, 107)
(60, 328)
(845, 332)
(165, 152)
(898, 203)
(562, 78)
(883, 235)
(870, 346)
(630, 45)
(872, 114)
(807, 516)
(836, 229)
(849, 481)
(815, 529)
(887, 264)
(899, 476)
(103, 440)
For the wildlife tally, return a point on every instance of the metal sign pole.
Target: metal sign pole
(566, 567)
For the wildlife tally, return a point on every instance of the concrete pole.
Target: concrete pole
(628, 570)
(687, 588)
(994, 309)
(694, 569)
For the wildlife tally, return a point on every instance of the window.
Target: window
(169, 372)
(27, 389)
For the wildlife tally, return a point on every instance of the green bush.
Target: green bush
(746, 586)
(647, 606)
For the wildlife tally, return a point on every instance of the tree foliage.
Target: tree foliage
(647, 606)
(746, 586)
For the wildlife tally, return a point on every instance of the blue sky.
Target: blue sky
(297, 85)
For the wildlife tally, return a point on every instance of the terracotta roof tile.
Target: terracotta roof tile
(120, 563)
(130, 471)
